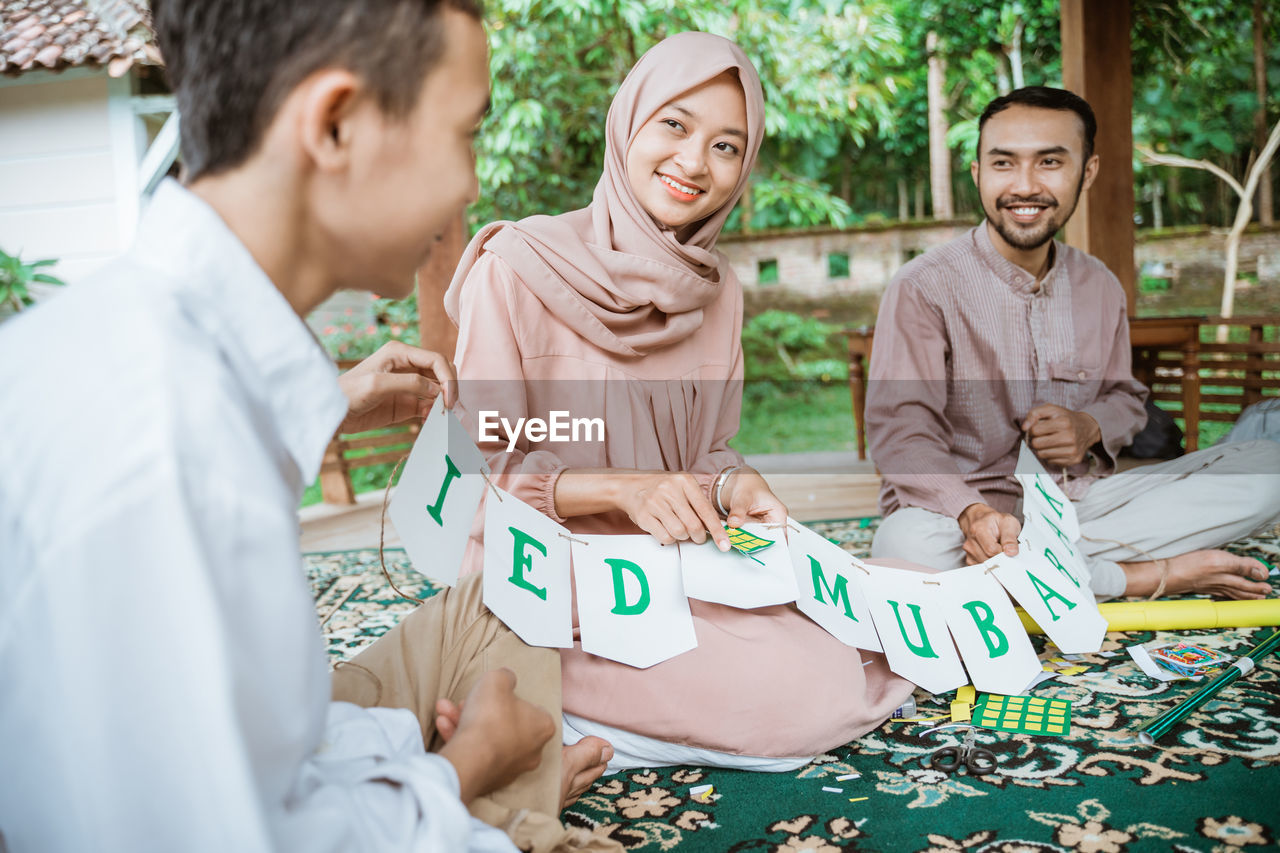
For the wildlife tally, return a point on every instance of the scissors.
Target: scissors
(965, 758)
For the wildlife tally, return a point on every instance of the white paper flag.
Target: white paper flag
(631, 602)
(992, 641)
(739, 580)
(829, 589)
(526, 571)
(1041, 539)
(436, 499)
(1068, 614)
(1042, 496)
(913, 628)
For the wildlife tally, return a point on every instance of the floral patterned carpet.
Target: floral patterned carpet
(1212, 784)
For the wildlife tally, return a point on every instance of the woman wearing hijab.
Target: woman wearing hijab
(625, 311)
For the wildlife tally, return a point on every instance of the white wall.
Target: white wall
(68, 169)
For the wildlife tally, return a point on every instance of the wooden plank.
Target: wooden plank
(436, 331)
(1096, 64)
(403, 437)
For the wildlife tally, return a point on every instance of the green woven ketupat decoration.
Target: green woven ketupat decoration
(746, 543)
(1031, 715)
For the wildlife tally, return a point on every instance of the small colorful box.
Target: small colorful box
(1187, 659)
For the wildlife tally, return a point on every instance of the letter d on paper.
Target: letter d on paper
(620, 606)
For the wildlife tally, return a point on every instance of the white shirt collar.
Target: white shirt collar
(183, 237)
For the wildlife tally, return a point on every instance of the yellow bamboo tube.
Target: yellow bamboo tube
(1180, 615)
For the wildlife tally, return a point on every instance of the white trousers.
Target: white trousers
(1202, 500)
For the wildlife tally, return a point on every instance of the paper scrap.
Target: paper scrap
(961, 711)
(701, 792)
(846, 777)
(831, 790)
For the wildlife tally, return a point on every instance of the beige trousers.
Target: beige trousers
(439, 651)
(1202, 500)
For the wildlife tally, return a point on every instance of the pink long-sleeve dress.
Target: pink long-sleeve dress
(764, 682)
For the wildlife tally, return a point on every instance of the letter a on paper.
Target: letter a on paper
(1068, 615)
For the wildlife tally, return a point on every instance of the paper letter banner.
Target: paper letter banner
(1040, 494)
(1042, 540)
(913, 629)
(829, 589)
(738, 580)
(436, 499)
(526, 571)
(1067, 613)
(992, 641)
(631, 602)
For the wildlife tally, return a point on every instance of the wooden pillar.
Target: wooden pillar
(1096, 65)
(436, 330)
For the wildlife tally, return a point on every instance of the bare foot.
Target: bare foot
(1216, 573)
(580, 765)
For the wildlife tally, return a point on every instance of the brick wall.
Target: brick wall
(1205, 250)
(803, 258)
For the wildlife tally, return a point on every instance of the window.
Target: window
(838, 265)
(767, 271)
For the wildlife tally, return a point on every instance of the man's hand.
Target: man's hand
(987, 533)
(396, 383)
(1060, 436)
(748, 498)
(493, 736)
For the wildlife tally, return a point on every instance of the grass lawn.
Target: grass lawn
(795, 418)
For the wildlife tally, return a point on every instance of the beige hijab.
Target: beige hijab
(613, 274)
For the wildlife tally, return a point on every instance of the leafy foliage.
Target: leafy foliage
(782, 346)
(846, 96)
(16, 278)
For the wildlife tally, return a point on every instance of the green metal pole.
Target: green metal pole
(1152, 730)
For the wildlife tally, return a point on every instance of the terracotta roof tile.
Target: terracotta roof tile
(57, 34)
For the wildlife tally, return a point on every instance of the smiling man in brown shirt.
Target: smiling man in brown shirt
(1006, 332)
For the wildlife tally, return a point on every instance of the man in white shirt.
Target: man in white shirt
(164, 683)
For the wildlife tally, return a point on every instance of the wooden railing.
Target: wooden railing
(1191, 374)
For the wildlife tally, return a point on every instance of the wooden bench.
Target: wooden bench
(347, 452)
(1191, 375)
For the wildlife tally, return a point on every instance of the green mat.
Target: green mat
(1211, 785)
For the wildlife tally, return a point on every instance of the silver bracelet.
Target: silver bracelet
(720, 481)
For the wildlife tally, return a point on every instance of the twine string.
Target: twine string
(382, 536)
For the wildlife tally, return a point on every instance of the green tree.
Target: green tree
(557, 63)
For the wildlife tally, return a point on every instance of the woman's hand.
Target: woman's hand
(748, 498)
(669, 505)
(672, 507)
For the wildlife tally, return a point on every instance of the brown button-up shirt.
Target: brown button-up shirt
(966, 344)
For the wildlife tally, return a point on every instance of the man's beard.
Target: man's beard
(1027, 240)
